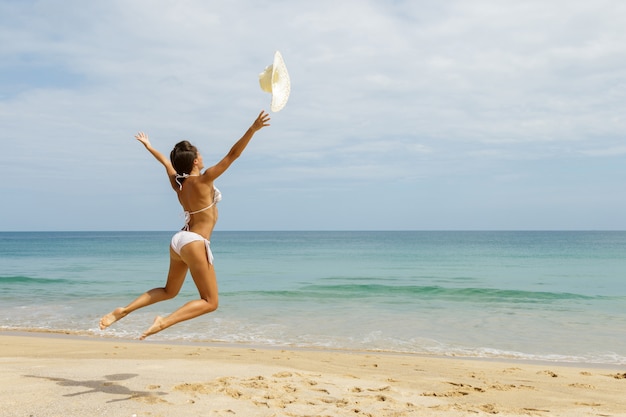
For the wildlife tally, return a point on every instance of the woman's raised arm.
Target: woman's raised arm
(218, 169)
(171, 172)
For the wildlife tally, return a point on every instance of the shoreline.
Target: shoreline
(216, 344)
(84, 375)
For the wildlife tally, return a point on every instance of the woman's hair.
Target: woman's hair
(182, 157)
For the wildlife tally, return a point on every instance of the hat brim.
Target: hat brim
(275, 79)
(281, 84)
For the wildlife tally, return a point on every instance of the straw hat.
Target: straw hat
(275, 80)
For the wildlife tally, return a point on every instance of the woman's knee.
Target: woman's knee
(211, 304)
(170, 292)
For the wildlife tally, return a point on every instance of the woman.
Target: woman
(189, 249)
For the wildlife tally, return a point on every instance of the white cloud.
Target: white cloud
(381, 91)
(611, 151)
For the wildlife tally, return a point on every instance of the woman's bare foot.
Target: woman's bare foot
(112, 317)
(156, 327)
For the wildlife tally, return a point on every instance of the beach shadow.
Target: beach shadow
(108, 385)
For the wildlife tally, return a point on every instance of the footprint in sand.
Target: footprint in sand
(462, 390)
(585, 386)
(588, 404)
(489, 408)
(385, 388)
(445, 394)
(149, 399)
(283, 375)
(505, 387)
(508, 387)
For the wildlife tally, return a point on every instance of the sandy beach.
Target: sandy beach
(59, 375)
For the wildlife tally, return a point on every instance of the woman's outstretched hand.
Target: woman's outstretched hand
(260, 122)
(143, 138)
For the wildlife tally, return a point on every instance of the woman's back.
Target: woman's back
(199, 200)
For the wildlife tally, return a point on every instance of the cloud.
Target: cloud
(611, 151)
(382, 91)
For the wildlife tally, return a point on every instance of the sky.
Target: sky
(403, 115)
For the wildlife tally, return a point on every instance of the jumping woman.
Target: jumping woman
(190, 248)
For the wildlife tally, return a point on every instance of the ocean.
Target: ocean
(546, 296)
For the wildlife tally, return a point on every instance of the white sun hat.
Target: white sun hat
(275, 80)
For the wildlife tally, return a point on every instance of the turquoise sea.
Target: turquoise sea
(555, 296)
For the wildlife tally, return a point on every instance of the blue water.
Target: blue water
(557, 296)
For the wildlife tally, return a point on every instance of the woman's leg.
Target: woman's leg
(175, 278)
(195, 256)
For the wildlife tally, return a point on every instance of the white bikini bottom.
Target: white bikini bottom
(185, 237)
